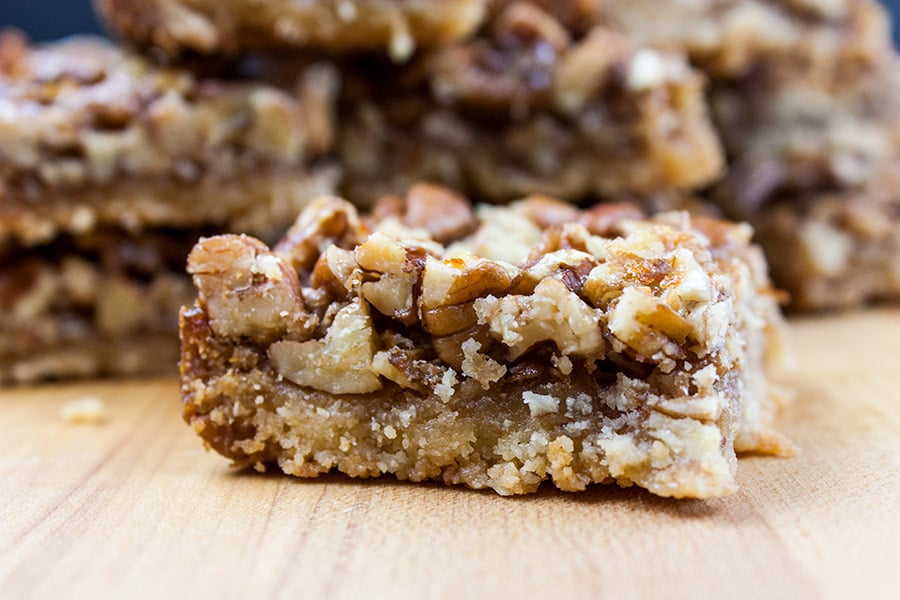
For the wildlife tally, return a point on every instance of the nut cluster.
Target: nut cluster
(587, 284)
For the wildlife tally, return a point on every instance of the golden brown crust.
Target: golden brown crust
(233, 26)
(568, 346)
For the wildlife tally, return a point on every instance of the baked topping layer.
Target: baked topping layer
(507, 283)
(429, 305)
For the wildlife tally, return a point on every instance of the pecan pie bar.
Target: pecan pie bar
(102, 302)
(110, 169)
(494, 348)
(536, 102)
(336, 25)
(93, 135)
(813, 168)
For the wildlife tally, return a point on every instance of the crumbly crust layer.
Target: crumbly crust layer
(261, 203)
(531, 104)
(494, 349)
(233, 26)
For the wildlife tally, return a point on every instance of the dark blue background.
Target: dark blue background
(49, 19)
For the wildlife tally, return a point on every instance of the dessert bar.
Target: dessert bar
(536, 102)
(103, 302)
(813, 169)
(92, 135)
(495, 348)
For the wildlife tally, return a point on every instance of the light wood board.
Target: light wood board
(134, 507)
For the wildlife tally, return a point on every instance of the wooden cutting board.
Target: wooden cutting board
(134, 507)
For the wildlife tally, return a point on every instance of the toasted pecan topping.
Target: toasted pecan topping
(597, 285)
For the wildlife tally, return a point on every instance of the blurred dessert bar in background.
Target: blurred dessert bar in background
(534, 103)
(816, 169)
(804, 94)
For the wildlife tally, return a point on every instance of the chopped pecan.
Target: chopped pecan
(326, 221)
(337, 271)
(545, 211)
(460, 279)
(446, 320)
(645, 323)
(604, 219)
(341, 363)
(398, 268)
(399, 366)
(445, 214)
(553, 313)
(247, 290)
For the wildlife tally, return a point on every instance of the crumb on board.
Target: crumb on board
(86, 410)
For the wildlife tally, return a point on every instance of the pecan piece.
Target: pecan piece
(446, 215)
(341, 363)
(325, 221)
(247, 290)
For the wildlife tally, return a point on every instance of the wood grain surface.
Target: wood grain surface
(134, 507)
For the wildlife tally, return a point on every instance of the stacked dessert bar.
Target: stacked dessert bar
(110, 169)
(112, 165)
(424, 336)
(591, 100)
